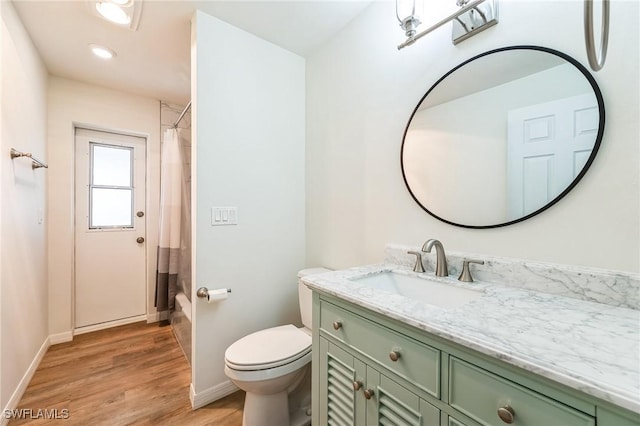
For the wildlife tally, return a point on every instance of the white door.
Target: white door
(548, 145)
(110, 252)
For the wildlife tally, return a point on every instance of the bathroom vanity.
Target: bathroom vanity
(382, 355)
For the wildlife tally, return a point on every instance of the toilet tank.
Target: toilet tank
(305, 295)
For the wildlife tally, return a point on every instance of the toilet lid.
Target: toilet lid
(268, 348)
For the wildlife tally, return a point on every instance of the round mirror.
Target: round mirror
(502, 137)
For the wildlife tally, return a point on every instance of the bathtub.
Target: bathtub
(181, 324)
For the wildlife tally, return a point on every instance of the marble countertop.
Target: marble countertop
(591, 347)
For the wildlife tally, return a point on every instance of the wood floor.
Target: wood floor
(133, 374)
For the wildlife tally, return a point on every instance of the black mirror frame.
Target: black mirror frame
(586, 167)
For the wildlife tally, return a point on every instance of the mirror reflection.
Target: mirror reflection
(502, 137)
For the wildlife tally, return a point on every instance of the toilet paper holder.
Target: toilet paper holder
(203, 292)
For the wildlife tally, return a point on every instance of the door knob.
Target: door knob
(140, 240)
(368, 393)
(140, 214)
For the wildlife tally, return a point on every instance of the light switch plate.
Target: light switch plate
(223, 216)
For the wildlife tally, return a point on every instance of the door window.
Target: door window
(110, 187)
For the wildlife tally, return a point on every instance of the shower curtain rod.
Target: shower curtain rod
(182, 115)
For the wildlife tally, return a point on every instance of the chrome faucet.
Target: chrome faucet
(441, 259)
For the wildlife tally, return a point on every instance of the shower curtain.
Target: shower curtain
(170, 209)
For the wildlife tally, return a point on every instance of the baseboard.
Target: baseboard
(54, 339)
(157, 316)
(109, 324)
(13, 402)
(210, 395)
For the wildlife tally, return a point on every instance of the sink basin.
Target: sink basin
(422, 289)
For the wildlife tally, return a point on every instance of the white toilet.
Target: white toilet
(272, 366)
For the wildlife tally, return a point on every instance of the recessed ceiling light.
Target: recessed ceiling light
(123, 13)
(101, 51)
(113, 12)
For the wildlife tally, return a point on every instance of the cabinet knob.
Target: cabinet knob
(337, 325)
(368, 393)
(140, 240)
(394, 355)
(357, 384)
(506, 414)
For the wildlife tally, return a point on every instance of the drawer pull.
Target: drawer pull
(506, 414)
(368, 393)
(394, 355)
(357, 384)
(337, 325)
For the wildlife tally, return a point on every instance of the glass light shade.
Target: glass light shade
(113, 12)
(407, 8)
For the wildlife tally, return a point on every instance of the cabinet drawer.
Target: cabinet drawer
(479, 394)
(416, 362)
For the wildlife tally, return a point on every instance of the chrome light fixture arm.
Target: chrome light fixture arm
(470, 19)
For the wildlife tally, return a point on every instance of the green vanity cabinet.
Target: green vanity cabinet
(339, 373)
(608, 417)
(369, 369)
(414, 361)
(476, 392)
(354, 393)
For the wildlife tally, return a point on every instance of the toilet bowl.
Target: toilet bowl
(272, 367)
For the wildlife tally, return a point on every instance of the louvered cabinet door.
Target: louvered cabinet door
(393, 405)
(340, 402)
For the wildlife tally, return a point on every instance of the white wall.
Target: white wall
(23, 260)
(248, 151)
(72, 103)
(361, 91)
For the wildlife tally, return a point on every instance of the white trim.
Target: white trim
(157, 316)
(210, 395)
(118, 131)
(13, 402)
(109, 324)
(57, 338)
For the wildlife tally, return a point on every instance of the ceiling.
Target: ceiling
(154, 61)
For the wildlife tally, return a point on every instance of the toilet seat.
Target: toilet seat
(269, 348)
(267, 373)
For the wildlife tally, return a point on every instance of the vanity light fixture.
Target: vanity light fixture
(124, 13)
(473, 17)
(102, 51)
(408, 13)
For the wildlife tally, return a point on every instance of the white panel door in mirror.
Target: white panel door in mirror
(548, 145)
